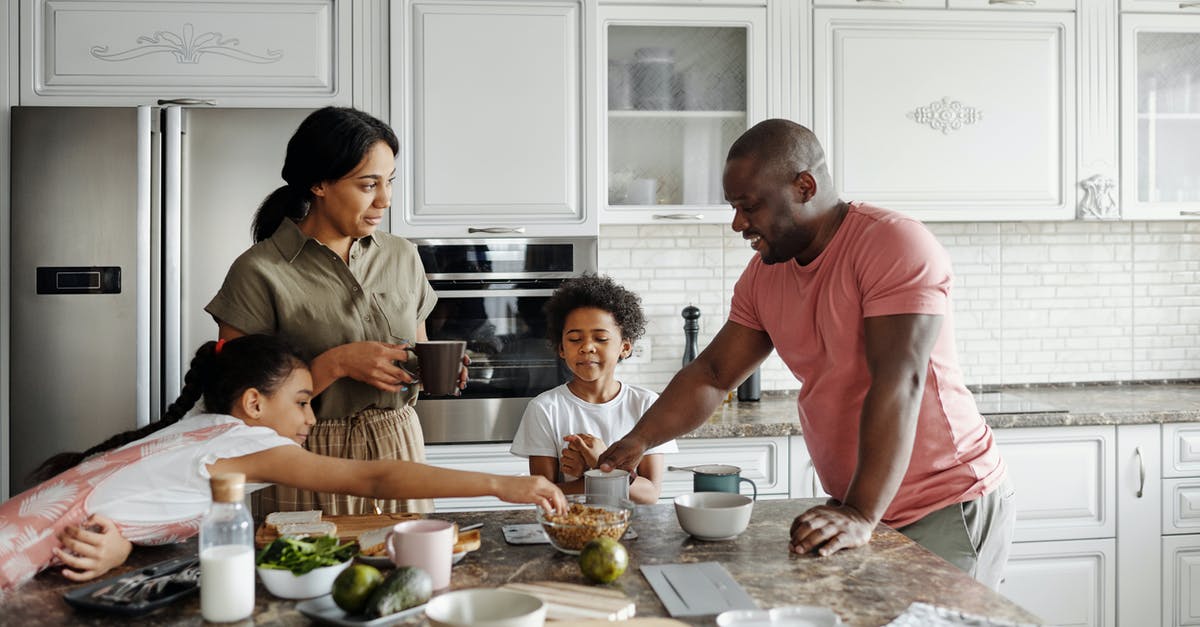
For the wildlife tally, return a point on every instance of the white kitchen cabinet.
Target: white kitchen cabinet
(1183, 7)
(1139, 498)
(762, 460)
(489, 101)
(1160, 116)
(949, 115)
(804, 482)
(1181, 580)
(1064, 478)
(1065, 583)
(490, 458)
(677, 85)
(127, 52)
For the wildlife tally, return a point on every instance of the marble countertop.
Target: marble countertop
(867, 586)
(1006, 407)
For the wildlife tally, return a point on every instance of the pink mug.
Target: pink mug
(426, 544)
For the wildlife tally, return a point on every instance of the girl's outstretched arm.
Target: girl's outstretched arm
(391, 479)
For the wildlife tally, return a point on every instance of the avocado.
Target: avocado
(403, 588)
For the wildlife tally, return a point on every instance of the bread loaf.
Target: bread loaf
(277, 519)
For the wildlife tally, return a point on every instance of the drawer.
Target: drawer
(490, 458)
(1181, 506)
(1181, 450)
(1065, 479)
(762, 460)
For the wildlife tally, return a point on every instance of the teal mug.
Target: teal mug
(719, 478)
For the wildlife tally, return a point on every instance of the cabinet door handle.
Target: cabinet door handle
(1024, 3)
(496, 230)
(1191, 213)
(189, 101)
(1189, 5)
(678, 216)
(881, 1)
(1141, 471)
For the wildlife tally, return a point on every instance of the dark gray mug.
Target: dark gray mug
(719, 478)
(438, 363)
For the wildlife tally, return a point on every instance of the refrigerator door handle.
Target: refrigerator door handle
(144, 262)
(172, 273)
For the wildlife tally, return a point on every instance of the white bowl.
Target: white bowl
(287, 585)
(792, 616)
(713, 515)
(486, 607)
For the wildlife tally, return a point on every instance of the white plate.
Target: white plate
(797, 615)
(324, 610)
(382, 561)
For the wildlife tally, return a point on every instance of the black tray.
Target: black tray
(82, 598)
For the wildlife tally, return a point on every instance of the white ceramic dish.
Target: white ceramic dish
(286, 585)
(791, 616)
(713, 516)
(382, 561)
(485, 607)
(324, 610)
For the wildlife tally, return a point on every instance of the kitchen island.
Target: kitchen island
(868, 586)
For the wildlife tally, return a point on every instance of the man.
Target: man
(855, 299)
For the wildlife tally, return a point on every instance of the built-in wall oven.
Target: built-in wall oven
(491, 293)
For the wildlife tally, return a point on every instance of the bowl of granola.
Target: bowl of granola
(588, 516)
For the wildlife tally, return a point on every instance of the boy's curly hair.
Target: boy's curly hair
(601, 292)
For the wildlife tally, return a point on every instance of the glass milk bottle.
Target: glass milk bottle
(227, 553)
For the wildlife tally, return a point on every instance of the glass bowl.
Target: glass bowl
(589, 516)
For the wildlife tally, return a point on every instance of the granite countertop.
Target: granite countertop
(1002, 407)
(867, 586)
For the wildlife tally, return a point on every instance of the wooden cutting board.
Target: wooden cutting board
(570, 601)
(348, 527)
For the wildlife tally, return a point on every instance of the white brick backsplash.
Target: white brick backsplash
(1034, 302)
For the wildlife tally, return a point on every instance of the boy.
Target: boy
(593, 323)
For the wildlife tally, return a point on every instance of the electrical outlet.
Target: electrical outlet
(641, 352)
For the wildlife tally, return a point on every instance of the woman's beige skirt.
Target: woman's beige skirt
(370, 434)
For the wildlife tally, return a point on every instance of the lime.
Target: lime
(354, 585)
(603, 559)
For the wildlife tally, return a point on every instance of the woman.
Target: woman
(351, 298)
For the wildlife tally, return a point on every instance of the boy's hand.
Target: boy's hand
(91, 553)
(587, 445)
(571, 464)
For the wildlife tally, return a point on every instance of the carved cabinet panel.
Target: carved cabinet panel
(949, 115)
(135, 51)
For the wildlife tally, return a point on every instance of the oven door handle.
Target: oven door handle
(492, 293)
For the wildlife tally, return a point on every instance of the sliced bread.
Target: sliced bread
(374, 542)
(322, 528)
(277, 519)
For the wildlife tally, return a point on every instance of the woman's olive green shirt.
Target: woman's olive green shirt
(294, 286)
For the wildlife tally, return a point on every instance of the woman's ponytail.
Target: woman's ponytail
(284, 202)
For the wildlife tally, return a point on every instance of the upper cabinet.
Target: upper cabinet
(678, 84)
(269, 53)
(489, 102)
(949, 115)
(1160, 115)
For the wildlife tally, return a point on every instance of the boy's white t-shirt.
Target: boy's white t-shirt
(556, 413)
(173, 485)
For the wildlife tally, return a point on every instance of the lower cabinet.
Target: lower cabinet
(1067, 583)
(1181, 580)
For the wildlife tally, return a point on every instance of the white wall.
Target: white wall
(1034, 302)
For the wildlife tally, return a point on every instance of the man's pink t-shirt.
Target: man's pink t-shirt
(879, 263)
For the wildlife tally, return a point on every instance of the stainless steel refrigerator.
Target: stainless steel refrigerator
(124, 222)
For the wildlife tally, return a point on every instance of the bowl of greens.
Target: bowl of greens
(303, 568)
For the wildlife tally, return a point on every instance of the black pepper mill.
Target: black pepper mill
(691, 333)
(750, 390)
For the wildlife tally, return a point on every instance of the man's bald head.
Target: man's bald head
(781, 147)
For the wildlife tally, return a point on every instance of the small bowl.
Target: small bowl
(485, 607)
(713, 516)
(287, 585)
(590, 516)
(792, 615)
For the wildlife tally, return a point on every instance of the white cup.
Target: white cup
(642, 192)
(426, 544)
(612, 483)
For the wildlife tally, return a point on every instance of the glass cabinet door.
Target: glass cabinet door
(1160, 130)
(680, 87)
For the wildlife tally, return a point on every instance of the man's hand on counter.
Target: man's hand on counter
(827, 529)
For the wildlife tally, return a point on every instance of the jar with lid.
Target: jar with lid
(227, 553)
(653, 73)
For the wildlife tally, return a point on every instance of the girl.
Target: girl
(593, 323)
(350, 297)
(151, 485)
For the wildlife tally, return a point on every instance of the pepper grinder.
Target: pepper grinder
(691, 333)
(749, 390)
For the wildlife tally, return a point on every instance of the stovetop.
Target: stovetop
(1012, 403)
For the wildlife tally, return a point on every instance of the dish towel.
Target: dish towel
(926, 615)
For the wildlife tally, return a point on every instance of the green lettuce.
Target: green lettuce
(301, 555)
